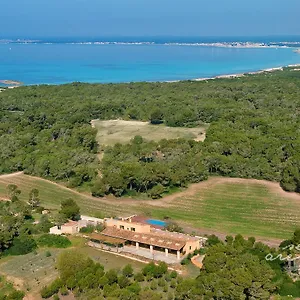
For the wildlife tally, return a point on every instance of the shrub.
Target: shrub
(55, 241)
(173, 283)
(48, 254)
(64, 291)
(173, 227)
(185, 261)
(87, 229)
(139, 277)
(16, 295)
(52, 289)
(127, 271)
(22, 245)
(123, 281)
(173, 274)
(157, 191)
(161, 282)
(134, 288)
(153, 285)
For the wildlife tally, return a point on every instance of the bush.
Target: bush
(134, 288)
(16, 295)
(185, 261)
(173, 274)
(52, 240)
(127, 271)
(87, 229)
(22, 245)
(139, 277)
(48, 254)
(52, 289)
(161, 282)
(153, 285)
(64, 291)
(157, 191)
(123, 281)
(173, 283)
(173, 227)
(39, 209)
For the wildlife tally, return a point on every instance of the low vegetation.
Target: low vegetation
(8, 292)
(53, 241)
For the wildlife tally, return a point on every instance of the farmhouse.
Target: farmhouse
(73, 227)
(144, 240)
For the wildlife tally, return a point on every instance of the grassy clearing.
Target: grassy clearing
(120, 131)
(225, 206)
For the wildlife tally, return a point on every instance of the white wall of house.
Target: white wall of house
(55, 230)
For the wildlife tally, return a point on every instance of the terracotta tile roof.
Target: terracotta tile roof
(155, 238)
(70, 223)
(104, 238)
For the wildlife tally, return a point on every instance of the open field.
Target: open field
(32, 271)
(120, 131)
(219, 205)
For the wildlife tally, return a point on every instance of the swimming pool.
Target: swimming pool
(156, 222)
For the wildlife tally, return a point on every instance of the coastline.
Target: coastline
(15, 84)
(238, 75)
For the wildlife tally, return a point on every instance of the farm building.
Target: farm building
(144, 240)
(73, 227)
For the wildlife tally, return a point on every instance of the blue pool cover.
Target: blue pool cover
(156, 222)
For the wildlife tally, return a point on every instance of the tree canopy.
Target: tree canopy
(253, 132)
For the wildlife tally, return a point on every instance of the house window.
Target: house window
(121, 227)
(132, 229)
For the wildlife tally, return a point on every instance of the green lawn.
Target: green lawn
(119, 131)
(246, 207)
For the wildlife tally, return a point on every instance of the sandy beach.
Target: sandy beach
(231, 76)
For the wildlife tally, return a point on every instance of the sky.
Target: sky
(92, 18)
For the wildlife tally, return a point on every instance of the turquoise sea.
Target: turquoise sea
(64, 61)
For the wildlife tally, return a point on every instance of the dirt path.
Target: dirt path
(4, 176)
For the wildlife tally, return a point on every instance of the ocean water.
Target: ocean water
(65, 61)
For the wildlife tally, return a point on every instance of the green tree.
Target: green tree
(127, 271)
(156, 117)
(70, 209)
(70, 263)
(34, 200)
(13, 192)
